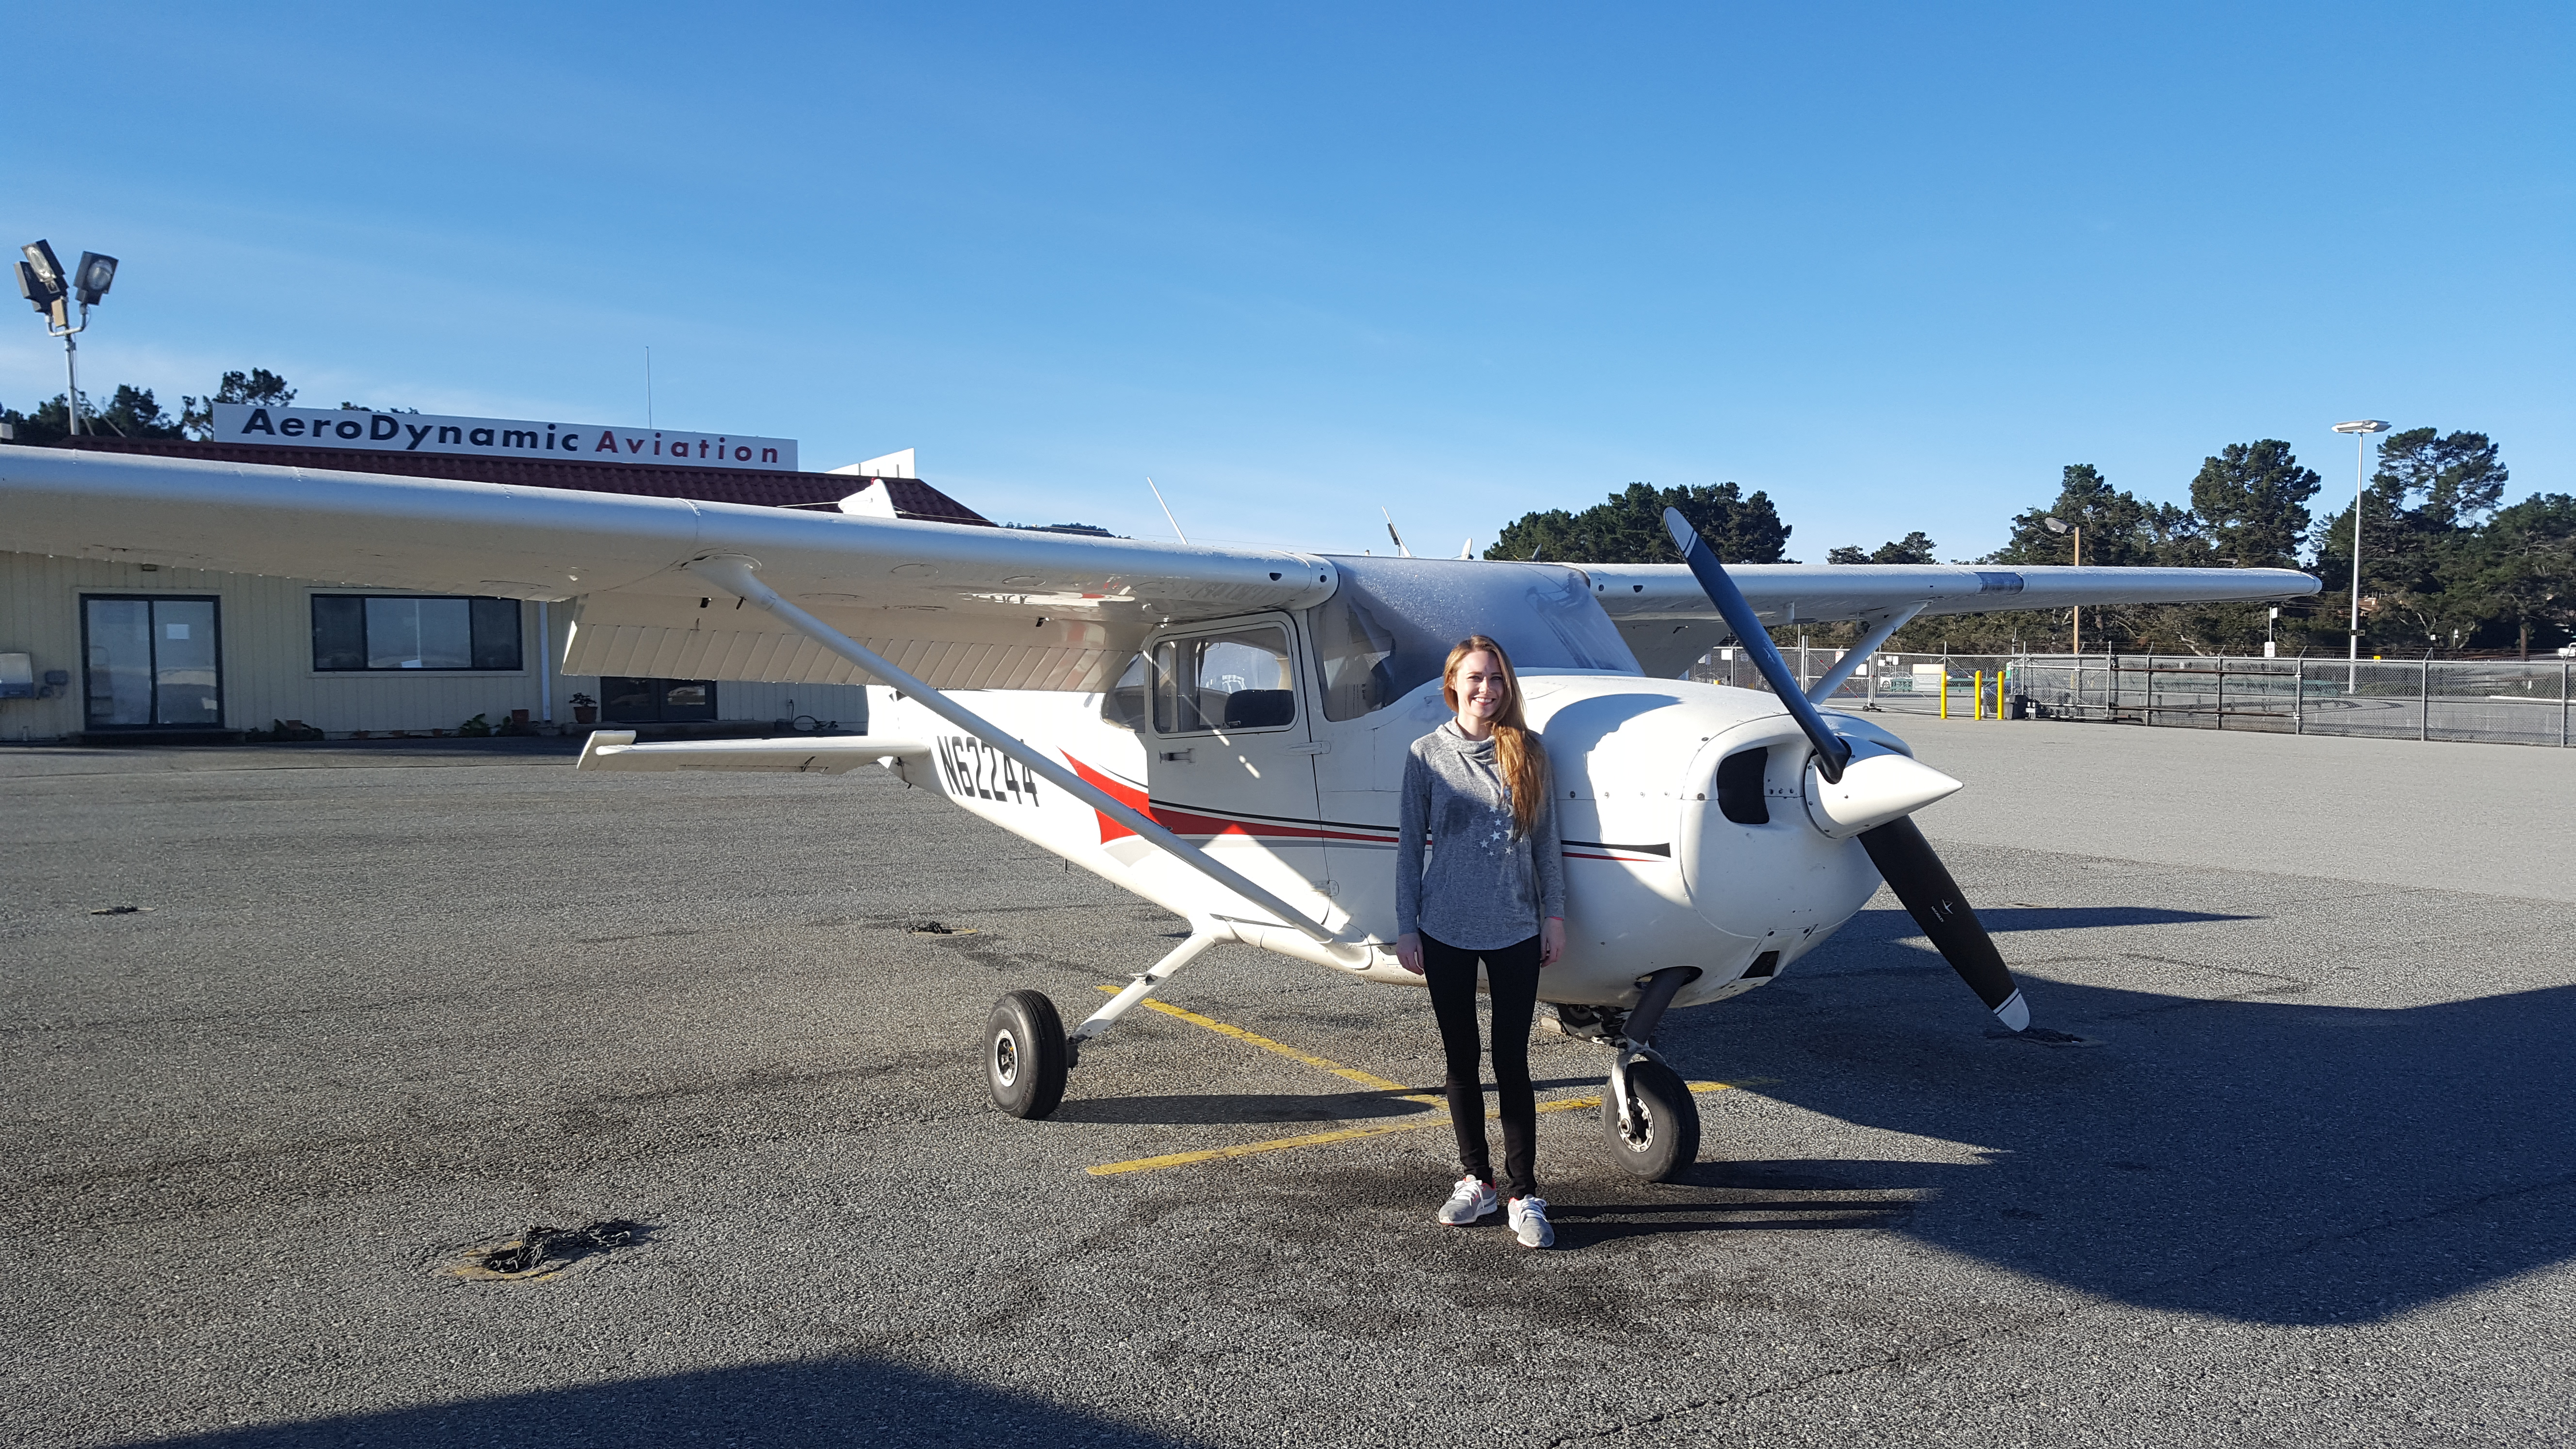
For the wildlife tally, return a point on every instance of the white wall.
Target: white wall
(268, 675)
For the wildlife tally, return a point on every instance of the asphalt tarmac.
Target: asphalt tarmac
(379, 1009)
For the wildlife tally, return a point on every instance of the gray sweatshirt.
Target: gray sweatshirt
(1481, 889)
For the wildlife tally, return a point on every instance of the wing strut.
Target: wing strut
(1858, 655)
(734, 574)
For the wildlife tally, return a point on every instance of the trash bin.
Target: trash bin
(2020, 707)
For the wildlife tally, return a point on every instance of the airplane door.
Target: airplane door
(1230, 764)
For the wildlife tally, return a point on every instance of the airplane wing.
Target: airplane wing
(1668, 621)
(963, 607)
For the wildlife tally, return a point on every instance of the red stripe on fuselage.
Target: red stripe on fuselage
(1197, 824)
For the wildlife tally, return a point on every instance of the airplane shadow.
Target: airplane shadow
(1895, 924)
(1596, 1223)
(2083, 918)
(1219, 1108)
(853, 1400)
(2265, 1159)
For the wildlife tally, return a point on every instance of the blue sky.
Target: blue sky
(1895, 265)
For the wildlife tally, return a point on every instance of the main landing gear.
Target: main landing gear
(1027, 1052)
(1649, 1117)
(1024, 1054)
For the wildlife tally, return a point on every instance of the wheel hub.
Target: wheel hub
(1006, 1059)
(1640, 1133)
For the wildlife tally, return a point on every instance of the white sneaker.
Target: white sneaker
(1471, 1199)
(1529, 1219)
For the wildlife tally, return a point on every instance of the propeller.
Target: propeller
(1895, 845)
(1920, 880)
(1832, 750)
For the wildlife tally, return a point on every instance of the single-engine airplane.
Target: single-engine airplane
(1220, 730)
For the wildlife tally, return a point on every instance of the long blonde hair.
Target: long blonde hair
(1524, 764)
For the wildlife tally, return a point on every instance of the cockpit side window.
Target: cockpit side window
(1124, 704)
(1238, 680)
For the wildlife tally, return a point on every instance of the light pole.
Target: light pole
(2075, 631)
(42, 283)
(2361, 432)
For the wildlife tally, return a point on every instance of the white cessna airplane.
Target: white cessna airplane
(1220, 730)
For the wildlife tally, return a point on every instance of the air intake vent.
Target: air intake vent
(1739, 787)
(1766, 964)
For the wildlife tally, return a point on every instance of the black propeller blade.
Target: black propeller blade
(1897, 848)
(1832, 750)
(1919, 879)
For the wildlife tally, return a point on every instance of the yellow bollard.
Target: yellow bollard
(1977, 695)
(1945, 694)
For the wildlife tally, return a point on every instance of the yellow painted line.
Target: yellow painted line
(1353, 1074)
(1350, 1134)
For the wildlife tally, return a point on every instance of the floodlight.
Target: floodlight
(49, 268)
(2055, 523)
(97, 273)
(2366, 425)
(31, 285)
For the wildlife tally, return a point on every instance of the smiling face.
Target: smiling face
(1483, 691)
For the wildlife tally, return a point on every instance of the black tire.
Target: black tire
(1024, 1055)
(1666, 1136)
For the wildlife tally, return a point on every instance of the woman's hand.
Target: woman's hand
(1408, 952)
(1551, 941)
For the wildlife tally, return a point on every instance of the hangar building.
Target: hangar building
(135, 653)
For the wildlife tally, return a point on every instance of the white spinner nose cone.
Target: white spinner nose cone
(1877, 786)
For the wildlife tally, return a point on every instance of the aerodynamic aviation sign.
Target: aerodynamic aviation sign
(496, 438)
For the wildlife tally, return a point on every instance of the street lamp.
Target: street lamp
(2361, 432)
(2075, 631)
(42, 282)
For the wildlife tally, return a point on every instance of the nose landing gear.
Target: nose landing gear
(1658, 1136)
(1648, 1115)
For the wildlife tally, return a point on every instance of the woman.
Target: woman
(1493, 890)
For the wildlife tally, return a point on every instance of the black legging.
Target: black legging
(1511, 982)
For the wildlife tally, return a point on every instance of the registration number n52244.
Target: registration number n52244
(968, 766)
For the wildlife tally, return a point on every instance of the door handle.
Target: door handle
(1176, 757)
(1320, 747)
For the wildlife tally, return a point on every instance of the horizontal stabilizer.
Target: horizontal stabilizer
(823, 755)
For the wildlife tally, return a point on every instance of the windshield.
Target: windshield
(1390, 626)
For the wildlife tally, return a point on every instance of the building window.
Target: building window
(405, 631)
(656, 701)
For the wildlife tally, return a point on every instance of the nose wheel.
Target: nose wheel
(1024, 1058)
(1661, 1136)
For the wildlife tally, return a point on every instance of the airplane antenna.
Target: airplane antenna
(1167, 511)
(1391, 533)
(1467, 549)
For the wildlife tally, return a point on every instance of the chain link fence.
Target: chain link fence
(2499, 701)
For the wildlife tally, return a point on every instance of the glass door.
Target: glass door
(154, 661)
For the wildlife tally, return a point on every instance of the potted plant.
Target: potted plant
(585, 710)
